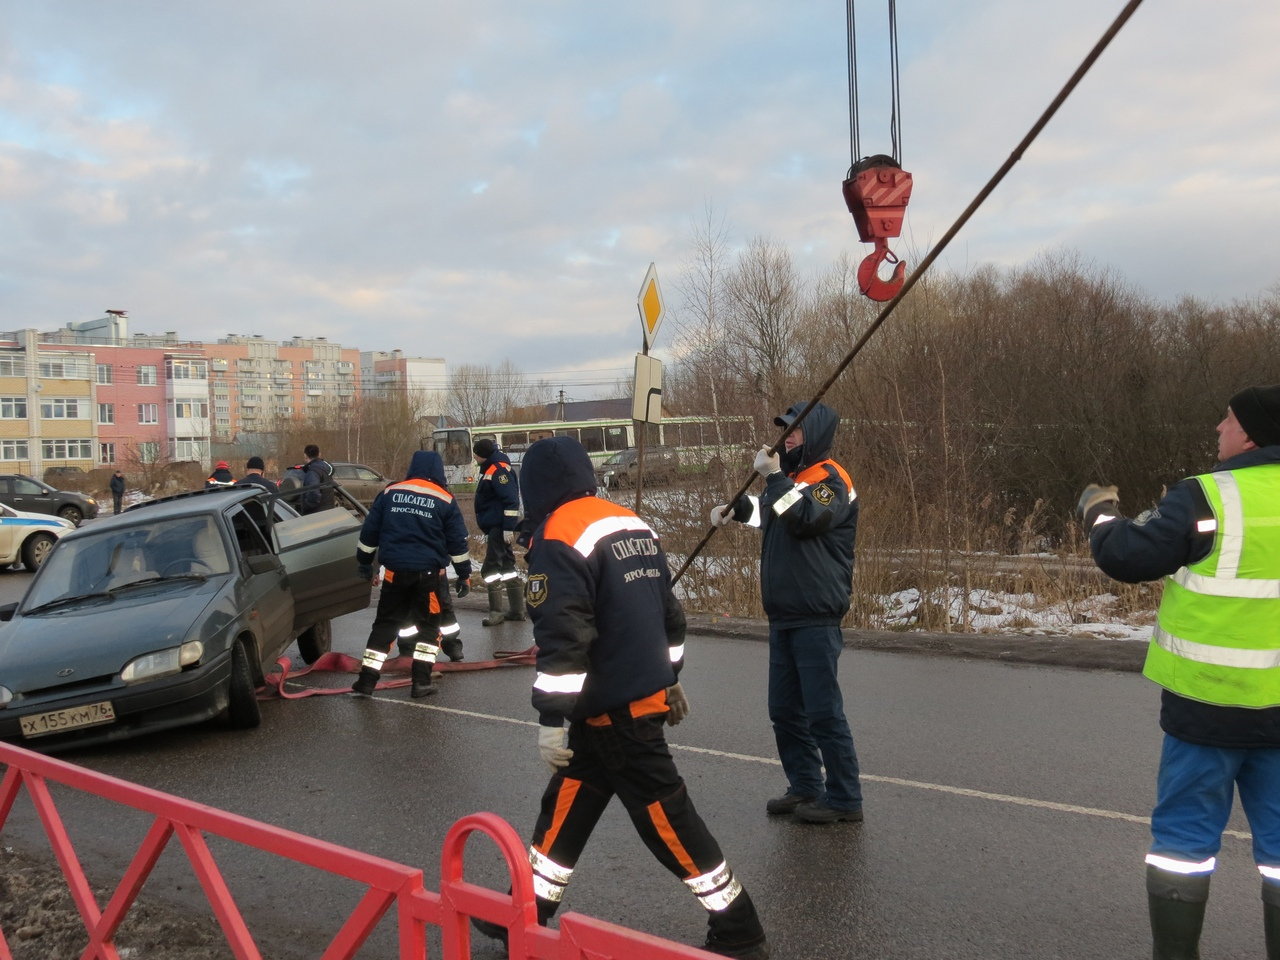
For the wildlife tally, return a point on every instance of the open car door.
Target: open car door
(319, 553)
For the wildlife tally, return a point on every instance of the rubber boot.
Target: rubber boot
(1271, 918)
(495, 616)
(452, 648)
(365, 683)
(420, 672)
(736, 931)
(515, 599)
(1176, 903)
(546, 910)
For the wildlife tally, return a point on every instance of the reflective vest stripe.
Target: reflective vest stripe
(1227, 586)
(1232, 525)
(1215, 655)
(597, 531)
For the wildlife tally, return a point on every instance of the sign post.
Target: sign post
(646, 396)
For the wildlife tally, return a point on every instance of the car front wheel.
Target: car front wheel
(35, 549)
(242, 698)
(315, 641)
(71, 513)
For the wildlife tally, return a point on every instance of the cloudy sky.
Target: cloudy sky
(484, 181)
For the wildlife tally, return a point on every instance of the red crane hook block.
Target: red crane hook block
(876, 193)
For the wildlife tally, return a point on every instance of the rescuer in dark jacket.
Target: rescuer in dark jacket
(497, 507)
(416, 529)
(1215, 651)
(253, 476)
(809, 514)
(221, 477)
(322, 470)
(610, 638)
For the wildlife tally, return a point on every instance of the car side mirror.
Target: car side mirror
(7, 611)
(262, 563)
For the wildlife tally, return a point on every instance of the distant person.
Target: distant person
(809, 518)
(415, 529)
(221, 477)
(254, 477)
(497, 507)
(322, 470)
(1215, 539)
(117, 491)
(610, 638)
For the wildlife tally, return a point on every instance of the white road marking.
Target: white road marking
(895, 781)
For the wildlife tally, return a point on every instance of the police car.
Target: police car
(28, 536)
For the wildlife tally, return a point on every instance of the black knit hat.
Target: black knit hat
(255, 463)
(1258, 410)
(484, 448)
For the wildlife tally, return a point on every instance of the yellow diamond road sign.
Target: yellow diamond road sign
(651, 307)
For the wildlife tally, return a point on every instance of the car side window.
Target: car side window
(6, 486)
(248, 537)
(343, 472)
(363, 474)
(27, 487)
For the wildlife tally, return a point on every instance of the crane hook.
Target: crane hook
(869, 280)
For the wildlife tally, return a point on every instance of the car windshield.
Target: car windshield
(100, 563)
(616, 459)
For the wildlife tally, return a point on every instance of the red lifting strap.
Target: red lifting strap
(876, 193)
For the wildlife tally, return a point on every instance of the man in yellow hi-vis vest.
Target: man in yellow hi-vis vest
(1215, 538)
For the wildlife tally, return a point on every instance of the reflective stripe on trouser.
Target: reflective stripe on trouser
(630, 758)
(408, 610)
(1194, 794)
(425, 652)
(499, 558)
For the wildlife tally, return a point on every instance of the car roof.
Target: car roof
(194, 503)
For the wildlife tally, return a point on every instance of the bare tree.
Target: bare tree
(764, 296)
(480, 393)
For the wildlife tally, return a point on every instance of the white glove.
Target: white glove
(767, 463)
(721, 516)
(509, 536)
(551, 744)
(677, 704)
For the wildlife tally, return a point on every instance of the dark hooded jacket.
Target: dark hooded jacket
(1156, 544)
(609, 629)
(809, 515)
(416, 524)
(497, 494)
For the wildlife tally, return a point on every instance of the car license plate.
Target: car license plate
(56, 721)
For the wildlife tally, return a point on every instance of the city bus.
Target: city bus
(698, 440)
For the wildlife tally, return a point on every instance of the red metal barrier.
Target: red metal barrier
(387, 883)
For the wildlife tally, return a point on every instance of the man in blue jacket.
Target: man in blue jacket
(1215, 539)
(610, 638)
(416, 528)
(809, 516)
(497, 513)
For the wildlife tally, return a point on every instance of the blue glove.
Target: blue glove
(462, 587)
(364, 571)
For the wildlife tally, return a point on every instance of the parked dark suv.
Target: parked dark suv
(660, 466)
(27, 493)
(363, 483)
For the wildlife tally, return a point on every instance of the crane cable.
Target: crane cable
(1103, 42)
(895, 85)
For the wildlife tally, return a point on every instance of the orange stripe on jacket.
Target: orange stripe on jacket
(425, 486)
(569, 522)
(564, 801)
(668, 835)
(816, 474)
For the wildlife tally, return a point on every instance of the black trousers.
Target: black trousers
(628, 756)
(499, 558)
(116, 499)
(408, 610)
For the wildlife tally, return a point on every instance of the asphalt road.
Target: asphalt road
(1004, 806)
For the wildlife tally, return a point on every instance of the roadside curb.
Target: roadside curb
(1083, 653)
